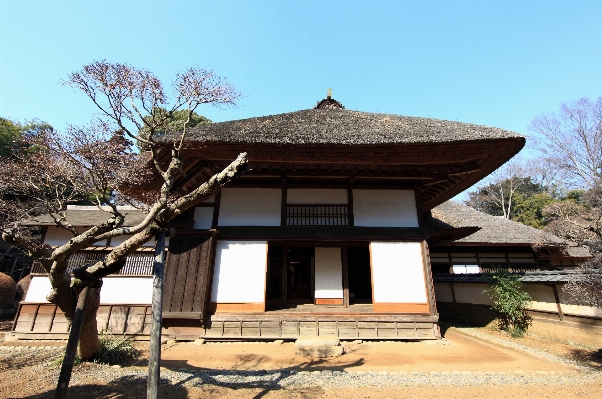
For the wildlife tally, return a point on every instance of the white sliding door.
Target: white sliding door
(239, 274)
(398, 277)
(328, 276)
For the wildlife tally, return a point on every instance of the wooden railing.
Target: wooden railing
(317, 215)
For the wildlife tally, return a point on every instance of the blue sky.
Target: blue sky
(486, 62)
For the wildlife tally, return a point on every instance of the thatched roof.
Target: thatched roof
(493, 229)
(337, 126)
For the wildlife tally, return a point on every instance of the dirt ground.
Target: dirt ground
(457, 353)
(25, 378)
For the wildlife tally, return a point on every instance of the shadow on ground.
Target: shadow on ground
(592, 357)
(464, 315)
(125, 387)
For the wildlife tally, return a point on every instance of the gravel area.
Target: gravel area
(39, 357)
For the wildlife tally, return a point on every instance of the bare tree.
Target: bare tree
(496, 195)
(585, 284)
(572, 139)
(580, 224)
(96, 162)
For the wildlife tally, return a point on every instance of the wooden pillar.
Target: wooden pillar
(215, 220)
(453, 292)
(419, 214)
(350, 218)
(284, 275)
(283, 204)
(345, 277)
(557, 298)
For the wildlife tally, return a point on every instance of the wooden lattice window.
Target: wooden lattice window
(317, 215)
(138, 263)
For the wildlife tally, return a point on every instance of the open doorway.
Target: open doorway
(300, 271)
(360, 276)
(299, 279)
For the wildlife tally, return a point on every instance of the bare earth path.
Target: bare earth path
(462, 366)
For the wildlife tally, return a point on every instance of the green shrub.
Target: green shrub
(114, 350)
(510, 301)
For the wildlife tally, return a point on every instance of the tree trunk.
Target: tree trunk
(89, 344)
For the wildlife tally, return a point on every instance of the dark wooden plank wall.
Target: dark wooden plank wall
(187, 273)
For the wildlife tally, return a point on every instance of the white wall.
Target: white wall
(328, 273)
(471, 293)
(57, 236)
(240, 269)
(384, 208)
(397, 272)
(120, 239)
(203, 217)
(316, 196)
(250, 207)
(115, 290)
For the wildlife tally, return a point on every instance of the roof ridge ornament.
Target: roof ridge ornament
(329, 102)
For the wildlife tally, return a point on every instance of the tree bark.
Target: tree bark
(89, 344)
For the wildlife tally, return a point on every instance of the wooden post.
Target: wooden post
(154, 352)
(557, 298)
(345, 277)
(71, 350)
(284, 276)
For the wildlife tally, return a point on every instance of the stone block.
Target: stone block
(319, 351)
(316, 341)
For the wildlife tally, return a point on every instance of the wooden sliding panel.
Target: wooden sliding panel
(398, 277)
(328, 276)
(239, 276)
(187, 274)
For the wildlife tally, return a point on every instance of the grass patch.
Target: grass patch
(114, 350)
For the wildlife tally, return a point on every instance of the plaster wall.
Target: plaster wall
(203, 217)
(543, 298)
(384, 208)
(397, 272)
(115, 290)
(328, 273)
(250, 207)
(471, 293)
(150, 243)
(240, 269)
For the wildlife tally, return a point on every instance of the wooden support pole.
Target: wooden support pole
(557, 298)
(345, 277)
(71, 350)
(453, 293)
(284, 275)
(154, 352)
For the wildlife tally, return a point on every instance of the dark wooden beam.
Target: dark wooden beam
(284, 276)
(419, 210)
(324, 232)
(345, 265)
(350, 205)
(218, 198)
(283, 204)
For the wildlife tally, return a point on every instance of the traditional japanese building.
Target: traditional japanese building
(326, 234)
